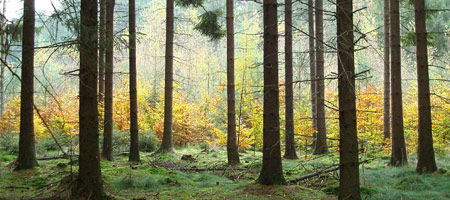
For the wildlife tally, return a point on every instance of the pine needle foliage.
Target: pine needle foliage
(209, 25)
(189, 3)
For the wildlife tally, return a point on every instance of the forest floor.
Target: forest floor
(205, 176)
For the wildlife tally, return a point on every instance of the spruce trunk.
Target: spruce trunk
(425, 152)
(89, 173)
(134, 127)
(398, 154)
(108, 125)
(27, 152)
(386, 83)
(289, 126)
(167, 143)
(232, 148)
(348, 140)
(321, 146)
(272, 171)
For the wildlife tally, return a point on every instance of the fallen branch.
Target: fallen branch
(16, 187)
(206, 169)
(56, 157)
(330, 169)
(307, 176)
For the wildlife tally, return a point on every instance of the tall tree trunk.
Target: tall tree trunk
(101, 51)
(398, 156)
(289, 129)
(425, 152)
(3, 56)
(232, 148)
(272, 170)
(387, 83)
(134, 127)
(89, 173)
(312, 68)
(321, 146)
(167, 143)
(27, 152)
(108, 126)
(348, 141)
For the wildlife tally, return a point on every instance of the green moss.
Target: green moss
(332, 189)
(413, 183)
(123, 180)
(367, 191)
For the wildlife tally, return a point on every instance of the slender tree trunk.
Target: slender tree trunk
(312, 68)
(134, 127)
(3, 56)
(321, 141)
(289, 132)
(425, 152)
(101, 51)
(398, 156)
(167, 143)
(89, 173)
(272, 170)
(108, 127)
(387, 83)
(27, 152)
(232, 148)
(348, 141)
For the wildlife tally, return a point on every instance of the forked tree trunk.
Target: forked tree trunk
(312, 68)
(134, 127)
(89, 173)
(425, 152)
(398, 154)
(321, 146)
(387, 83)
(232, 148)
(272, 171)
(348, 140)
(108, 126)
(167, 143)
(27, 152)
(101, 51)
(289, 129)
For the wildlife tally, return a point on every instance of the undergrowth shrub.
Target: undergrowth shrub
(121, 141)
(9, 143)
(6, 157)
(148, 142)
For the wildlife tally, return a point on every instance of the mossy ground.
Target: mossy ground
(160, 177)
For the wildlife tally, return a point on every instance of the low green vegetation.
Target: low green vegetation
(200, 172)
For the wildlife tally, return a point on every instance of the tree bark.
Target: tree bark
(134, 127)
(348, 141)
(3, 56)
(425, 152)
(387, 83)
(289, 109)
(232, 148)
(398, 154)
(312, 68)
(272, 171)
(108, 126)
(167, 143)
(27, 152)
(101, 52)
(321, 146)
(89, 173)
